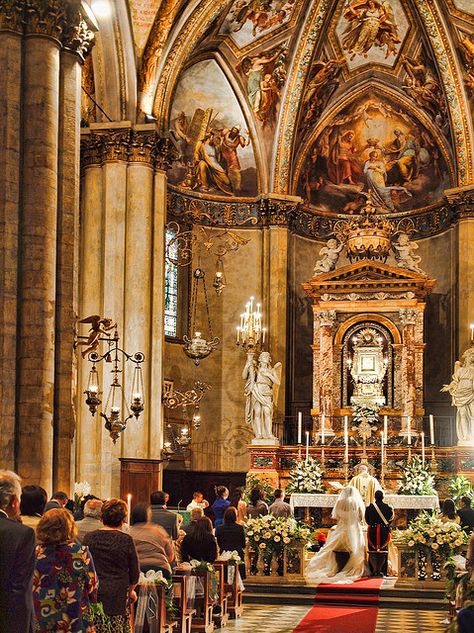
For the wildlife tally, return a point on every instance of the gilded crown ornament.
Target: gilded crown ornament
(367, 236)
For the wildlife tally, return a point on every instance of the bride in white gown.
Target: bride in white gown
(346, 536)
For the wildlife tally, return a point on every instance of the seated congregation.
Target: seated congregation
(96, 566)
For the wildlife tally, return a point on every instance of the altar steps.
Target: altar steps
(390, 598)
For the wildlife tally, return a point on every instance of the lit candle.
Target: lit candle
(93, 389)
(432, 435)
(307, 446)
(300, 426)
(115, 410)
(129, 506)
(409, 430)
(137, 396)
(322, 429)
(385, 428)
(197, 335)
(264, 334)
(346, 440)
(423, 447)
(472, 332)
(237, 334)
(382, 447)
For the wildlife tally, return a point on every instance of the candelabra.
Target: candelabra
(197, 347)
(115, 422)
(250, 333)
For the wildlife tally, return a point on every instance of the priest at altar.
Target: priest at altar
(365, 484)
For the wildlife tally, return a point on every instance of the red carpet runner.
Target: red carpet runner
(344, 608)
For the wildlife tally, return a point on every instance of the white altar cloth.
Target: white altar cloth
(407, 502)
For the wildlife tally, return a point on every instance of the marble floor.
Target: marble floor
(283, 619)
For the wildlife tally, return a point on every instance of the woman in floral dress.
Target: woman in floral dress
(64, 581)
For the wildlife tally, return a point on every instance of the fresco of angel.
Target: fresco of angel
(262, 14)
(423, 86)
(266, 74)
(370, 23)
(321, 85)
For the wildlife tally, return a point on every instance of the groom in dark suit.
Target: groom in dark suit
(17, 560)
(378, 517)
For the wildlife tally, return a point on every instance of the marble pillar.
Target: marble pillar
(37, 318)
(465, 273)
(67, 267)
(10, 151)
(327, 321)
(408, 319)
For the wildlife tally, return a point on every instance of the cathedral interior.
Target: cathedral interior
(164, 161)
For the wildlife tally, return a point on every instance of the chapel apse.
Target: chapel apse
(373, 145)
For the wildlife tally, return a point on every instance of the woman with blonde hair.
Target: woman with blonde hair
(64, 581)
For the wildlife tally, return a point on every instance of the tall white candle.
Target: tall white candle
(346, 439)
(432, 435)
(322, 429)
(129, 506)
(385, 429)
(472, 332)
(409, 430)
(423, 447)
(382, 447)
(307, 446)
(300, 426)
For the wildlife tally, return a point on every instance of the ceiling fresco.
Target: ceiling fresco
(371, 32)
(322, 99)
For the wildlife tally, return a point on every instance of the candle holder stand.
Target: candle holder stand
(346, 472)
(433, 462)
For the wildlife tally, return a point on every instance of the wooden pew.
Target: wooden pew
(202, 622)
(180, 600)
(221, 615)
(234, 592)
(161, 625)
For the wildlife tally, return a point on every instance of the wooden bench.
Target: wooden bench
(221, 615)
(202, 621)
(235, 594)
(180, 601)
(160, 625)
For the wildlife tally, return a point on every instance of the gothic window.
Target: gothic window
(171, 287)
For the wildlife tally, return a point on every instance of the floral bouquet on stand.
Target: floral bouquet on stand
(417, 479)
(307, 477)
(428, 533)
(81, 489)
(148, 599)
(200, 567)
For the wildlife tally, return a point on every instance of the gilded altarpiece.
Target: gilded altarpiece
(377, 296)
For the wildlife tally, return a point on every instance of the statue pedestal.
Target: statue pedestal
(266, 441)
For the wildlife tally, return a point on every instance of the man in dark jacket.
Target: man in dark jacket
(378, 517)
(161, 516)
(17, 560)
(466, 514)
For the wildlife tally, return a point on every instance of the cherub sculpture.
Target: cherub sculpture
(329, 256)
(99, 326)
(405, 254)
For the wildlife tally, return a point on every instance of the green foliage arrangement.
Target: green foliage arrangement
(417, 479)
(265, 485)
(459, 486)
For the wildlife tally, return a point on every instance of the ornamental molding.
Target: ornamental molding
(327, 318)
(12, 16)
(408, 316)
(127, 145)
(61, 20)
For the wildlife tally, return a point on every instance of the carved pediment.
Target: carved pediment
(369, 277)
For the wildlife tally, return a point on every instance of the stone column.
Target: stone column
(88, 448)
(138, 277)
(11, 29)
(408, 318)
(327, 320)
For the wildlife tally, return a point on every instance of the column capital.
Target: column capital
(129, 145)
(461, 200)
(408, 316)
(12, 15)
(62, 20)
(327, 318)
(279, 210)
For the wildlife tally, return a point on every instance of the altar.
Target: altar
(398, 502)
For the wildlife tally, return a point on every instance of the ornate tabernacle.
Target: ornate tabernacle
(389, 302)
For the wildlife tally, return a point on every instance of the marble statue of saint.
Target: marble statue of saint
(405, 254)
(461, 389)
(261, 390)
(365, 484)
(329, 255)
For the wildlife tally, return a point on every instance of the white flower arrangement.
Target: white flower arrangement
(232, 557)
(307, 477)
(428, 531)
(82, 489)
(274, 533)
(417, 479)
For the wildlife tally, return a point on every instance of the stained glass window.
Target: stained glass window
(171, 286)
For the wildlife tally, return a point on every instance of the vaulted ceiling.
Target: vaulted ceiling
(325, 94)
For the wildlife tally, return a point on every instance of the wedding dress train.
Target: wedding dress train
(346, 536)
